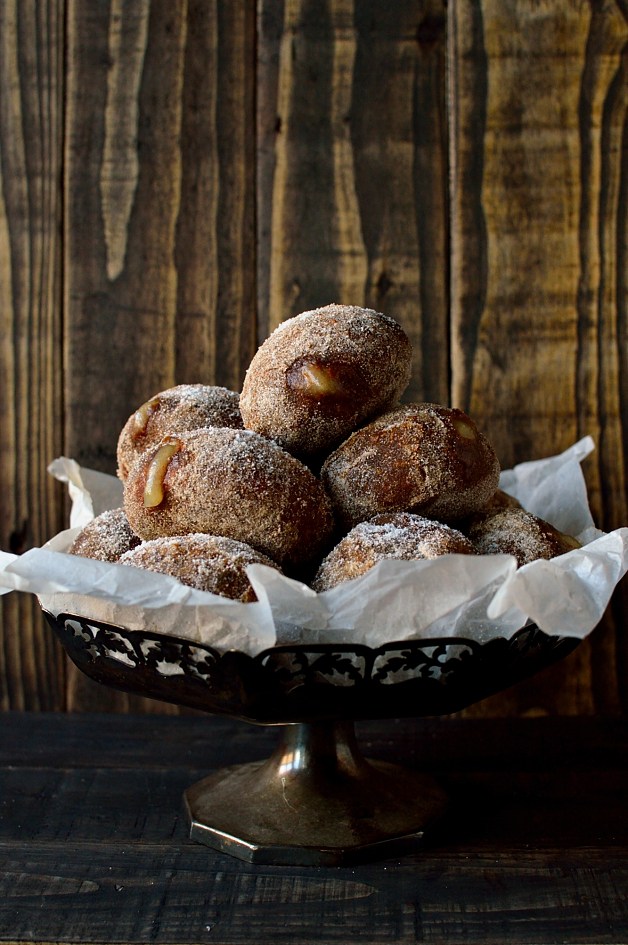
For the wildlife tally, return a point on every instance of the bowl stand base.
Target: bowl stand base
(315, 802)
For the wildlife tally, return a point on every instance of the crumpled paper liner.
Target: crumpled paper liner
(466, 596)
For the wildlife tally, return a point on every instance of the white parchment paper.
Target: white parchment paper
(457, 595)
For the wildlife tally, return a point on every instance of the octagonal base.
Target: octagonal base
(317, 801)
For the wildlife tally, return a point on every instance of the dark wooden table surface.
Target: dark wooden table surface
(94, 847)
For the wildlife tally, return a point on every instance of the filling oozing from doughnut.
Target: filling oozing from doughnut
(313, 378)
(464, 429)
(142, 416)
(154, 489)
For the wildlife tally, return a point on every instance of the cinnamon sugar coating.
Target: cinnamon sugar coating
(175, 410)
(401, 535)
(206, 562)
(498, 502)
(321, 374)
(514, 531)
(423, 458)
(232, 483)
(106, 537)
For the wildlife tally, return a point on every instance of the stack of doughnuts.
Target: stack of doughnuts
(315, 469)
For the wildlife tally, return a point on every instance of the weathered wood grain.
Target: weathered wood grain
(172, 896)
(159, 174)
(352, 171)
(31, 415)
(215, 239)
(93, 844)
(538, 109)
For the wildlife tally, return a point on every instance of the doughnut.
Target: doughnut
(322, 373)
(401, 535)
(106, 537)
(176, 410)
(423, 458)
(499, 501)
(514, 531)
(206, 562)
(233, 483)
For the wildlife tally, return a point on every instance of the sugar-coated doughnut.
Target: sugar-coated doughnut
(401, 535)
(206, 562)
(233, 483)
(322, 373)
(423, 458)
(514, 531)
(106, 537)
(498, 502)
(175, 410)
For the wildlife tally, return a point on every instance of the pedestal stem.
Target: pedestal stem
(317, 757)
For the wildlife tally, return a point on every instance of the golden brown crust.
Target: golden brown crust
(321, 374)
(175, 410)
(106, 537)
(206, 562)
(401, 536)
(236, 484)
(423, 458)
(514, 531)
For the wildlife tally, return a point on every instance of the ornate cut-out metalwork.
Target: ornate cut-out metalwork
(316, 682)
(165, 655)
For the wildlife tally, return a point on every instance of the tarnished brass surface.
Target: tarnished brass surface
(316, 801)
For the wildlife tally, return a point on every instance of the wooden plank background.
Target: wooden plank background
(177, 178)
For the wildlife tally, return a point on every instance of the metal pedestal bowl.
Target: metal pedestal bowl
(316, 800)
